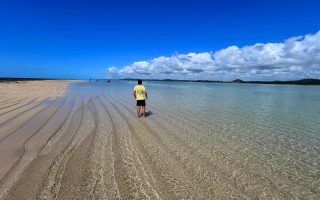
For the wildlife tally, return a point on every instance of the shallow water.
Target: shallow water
(263, 139)
(199, 141)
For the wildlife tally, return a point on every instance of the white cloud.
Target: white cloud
(296, 57)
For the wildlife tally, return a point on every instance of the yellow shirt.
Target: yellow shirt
(139, 89)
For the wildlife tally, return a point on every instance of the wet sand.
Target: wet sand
(84, 141)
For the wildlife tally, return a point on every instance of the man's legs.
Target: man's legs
(143, 111)
(138, 111)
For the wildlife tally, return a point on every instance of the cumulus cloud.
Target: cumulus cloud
(294, 58)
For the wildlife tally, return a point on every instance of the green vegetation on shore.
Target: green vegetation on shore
(292, 82)
(7, 80)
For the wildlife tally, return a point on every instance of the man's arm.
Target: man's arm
(134, 94)
(145, 93)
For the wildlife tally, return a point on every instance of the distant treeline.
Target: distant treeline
(25, 79)
(293, 82)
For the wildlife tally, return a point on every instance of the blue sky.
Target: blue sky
(103, 39)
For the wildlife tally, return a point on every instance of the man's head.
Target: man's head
(139, 82)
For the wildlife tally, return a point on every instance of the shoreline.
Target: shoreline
(9, 80)
(305, 82)
(302, 82)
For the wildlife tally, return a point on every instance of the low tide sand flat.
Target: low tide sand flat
(81, 140)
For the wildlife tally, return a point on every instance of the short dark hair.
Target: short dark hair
(139, 82)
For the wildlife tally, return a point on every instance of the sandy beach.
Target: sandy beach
(75, 140)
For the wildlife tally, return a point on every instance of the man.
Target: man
(140, 94)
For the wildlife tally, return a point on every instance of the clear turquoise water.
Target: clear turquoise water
(262, 141)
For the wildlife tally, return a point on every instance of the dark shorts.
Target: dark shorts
(141, 103)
